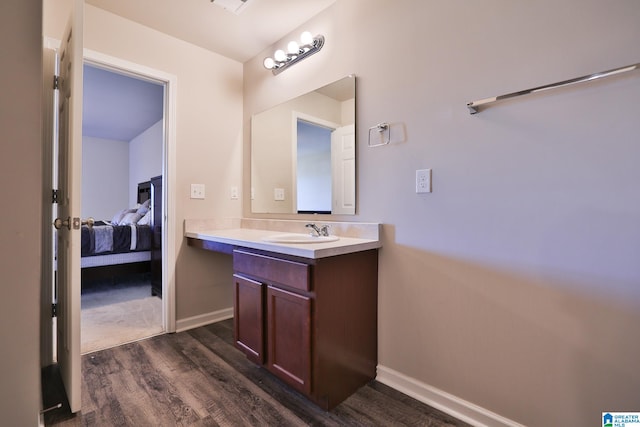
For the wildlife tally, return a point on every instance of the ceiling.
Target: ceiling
(119, 108)
(259, 24)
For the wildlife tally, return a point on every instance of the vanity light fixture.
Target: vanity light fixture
(295, 52)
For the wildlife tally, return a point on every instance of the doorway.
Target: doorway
(313, 165)
(122, 152)
(323, 167)
(166, 195)
(65, 301)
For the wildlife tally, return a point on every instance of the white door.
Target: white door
(69, 203)
(343, 169)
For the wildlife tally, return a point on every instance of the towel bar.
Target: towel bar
(474, 106)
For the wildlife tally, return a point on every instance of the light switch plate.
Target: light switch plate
(197, 191)
(278, 194)
(234, 193)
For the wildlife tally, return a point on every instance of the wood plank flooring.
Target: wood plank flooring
(198, 378)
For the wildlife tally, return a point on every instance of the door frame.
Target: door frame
(170, 82)
(169, 194)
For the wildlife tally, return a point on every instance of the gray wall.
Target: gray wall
(112, 170)
(21, 209)
(105, 177)
(514, 285)
(145, 158)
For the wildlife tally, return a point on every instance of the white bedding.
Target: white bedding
(123, 258)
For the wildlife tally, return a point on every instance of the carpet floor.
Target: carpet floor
(118, 312)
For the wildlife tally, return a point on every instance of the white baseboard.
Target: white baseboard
(204, 319)
(445, 402)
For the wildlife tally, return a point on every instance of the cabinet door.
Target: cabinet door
(249, 317)
(289, 337)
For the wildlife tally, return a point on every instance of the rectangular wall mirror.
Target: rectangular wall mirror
(303, 153)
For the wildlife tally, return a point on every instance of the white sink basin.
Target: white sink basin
(299, 238)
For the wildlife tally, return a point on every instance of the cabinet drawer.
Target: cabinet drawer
(270, 269)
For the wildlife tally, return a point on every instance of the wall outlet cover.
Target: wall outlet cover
(278, 194)
(423, 181)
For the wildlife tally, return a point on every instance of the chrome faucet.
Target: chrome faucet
(319, 231)
(315, 228)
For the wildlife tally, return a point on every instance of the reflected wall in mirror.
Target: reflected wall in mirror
(303, 153)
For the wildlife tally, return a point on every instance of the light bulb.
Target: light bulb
(269, 63)
(306, 38)
(279, 55)
(293, 47)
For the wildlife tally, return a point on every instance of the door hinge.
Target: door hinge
(54, 309)
(56, 82)
(54, 196)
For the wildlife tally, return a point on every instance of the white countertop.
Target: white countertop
(254, 238)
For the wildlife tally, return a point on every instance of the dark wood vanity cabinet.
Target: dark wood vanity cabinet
(311, 322)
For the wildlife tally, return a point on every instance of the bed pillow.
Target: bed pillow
(142, 210)
(144, 207)
(146, 219)
(119, 215)
(130, 218)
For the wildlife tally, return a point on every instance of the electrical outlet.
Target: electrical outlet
(423, 181)
(197, 191)
(278, 194)
(234, 193)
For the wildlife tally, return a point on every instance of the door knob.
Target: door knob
(59, 223)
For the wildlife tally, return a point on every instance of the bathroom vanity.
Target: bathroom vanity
(307, 312)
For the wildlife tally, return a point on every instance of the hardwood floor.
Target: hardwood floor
(198, 378)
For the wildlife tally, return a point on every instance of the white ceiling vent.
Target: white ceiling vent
(235, 6)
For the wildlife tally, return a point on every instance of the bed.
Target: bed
(121, 245)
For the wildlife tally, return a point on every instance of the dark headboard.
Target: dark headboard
(144, 191)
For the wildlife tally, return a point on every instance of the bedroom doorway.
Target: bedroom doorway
(125, 182)
(122, 148)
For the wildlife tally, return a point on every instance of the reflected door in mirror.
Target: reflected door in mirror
(292, 174)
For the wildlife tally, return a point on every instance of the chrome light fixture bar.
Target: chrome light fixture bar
(295, 52)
